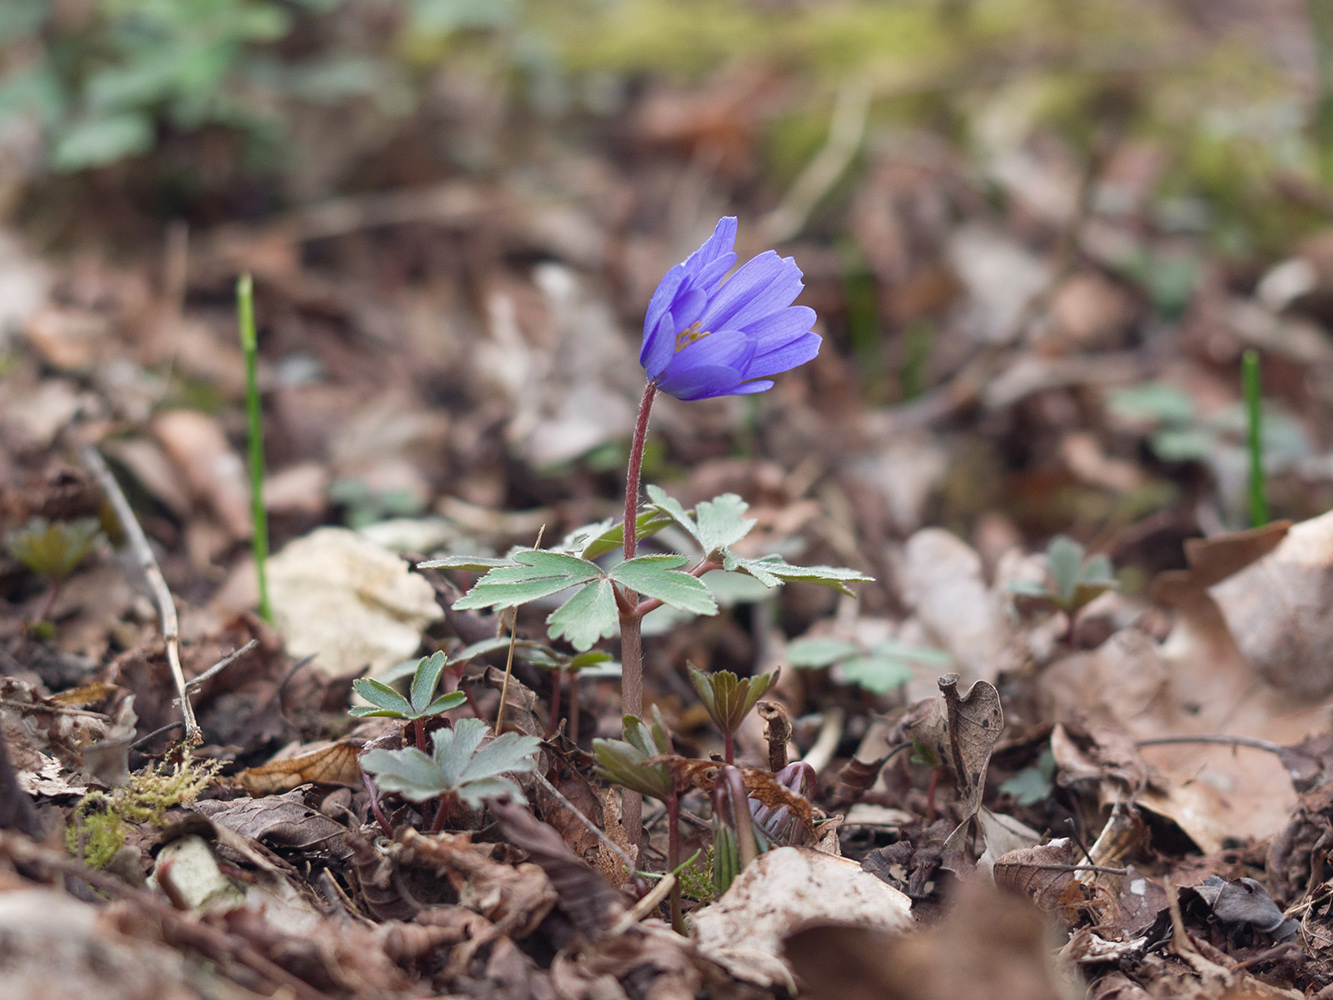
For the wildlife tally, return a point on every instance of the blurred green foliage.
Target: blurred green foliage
(108, 79)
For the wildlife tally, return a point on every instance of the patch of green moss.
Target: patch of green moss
(100, 820)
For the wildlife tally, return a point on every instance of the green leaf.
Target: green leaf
(598, 539)
(1032, 784)
(462, 764)
(815, 653)
(1064, 556)
(531, 575)
(879, 674)
(409, 772)
(728, 697)
(722, 522)
(626, 762)
(471, 564)
(774, 570)
(384, 698)
(469, 653)
(54, 549)
(586, 617)
(102, 140)
(658, 577)
(444, 703)
(423, 682)
(454, 748)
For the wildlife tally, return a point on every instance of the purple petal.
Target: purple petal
(781, 328)
(659, 346)
(702, 382)
(712, 274)
(725, 347)
(758, 385)
(785, 358)
(721, 243)
(661, 300)
(780, 291)
(752, 282)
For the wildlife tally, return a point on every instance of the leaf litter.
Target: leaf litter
(1131, 798)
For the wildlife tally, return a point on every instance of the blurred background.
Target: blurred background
(1038, 234)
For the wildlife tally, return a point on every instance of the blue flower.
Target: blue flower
(703, 337)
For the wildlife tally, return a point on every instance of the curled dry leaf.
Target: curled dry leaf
(961, 730)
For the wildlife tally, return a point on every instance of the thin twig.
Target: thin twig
(1238, 741)
(509, 671)
(826, 743)
(587, 823)
(221, 665)
(650, 902)
(166, 607)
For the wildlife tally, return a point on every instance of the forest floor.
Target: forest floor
(1026, 424)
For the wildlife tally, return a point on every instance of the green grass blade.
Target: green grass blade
(245, 309)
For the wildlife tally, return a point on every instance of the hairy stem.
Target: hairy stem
(631, 639)
(556, 675)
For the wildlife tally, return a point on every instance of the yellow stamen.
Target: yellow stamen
(689, 335)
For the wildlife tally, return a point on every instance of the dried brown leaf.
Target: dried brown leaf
(334, 764)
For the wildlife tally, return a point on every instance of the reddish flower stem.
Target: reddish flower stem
(631, 638)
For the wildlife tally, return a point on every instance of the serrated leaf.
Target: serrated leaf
(722, 522)
(382, 697)
(454, 748)
(774, 570)
(586, 617)
(657, 577)
(1064, 556)
(648, 523)
(471, 564)
(409, 772)
(532, 574)
(476, 792)
(477, 649)
(670, 507)
(424, 680)
(815, 653)
(879, 674)
(444, 703)
(506, 753)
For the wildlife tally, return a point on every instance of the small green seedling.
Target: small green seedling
(878, 668)
(1074, 580)
(464, 766)
(386, 702)
(629, 762)
(729, 699)
(1032, 784)
(245, 314)
(54, 550)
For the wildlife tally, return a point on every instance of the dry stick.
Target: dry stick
(509, 670)
(1231, 741)
(166, 607)
(221, 665)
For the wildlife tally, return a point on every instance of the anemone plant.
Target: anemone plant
(729, 699)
